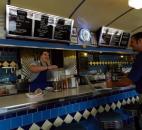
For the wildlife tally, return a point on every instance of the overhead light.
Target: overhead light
(137, 4)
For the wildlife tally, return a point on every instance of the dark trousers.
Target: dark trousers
(137, 107)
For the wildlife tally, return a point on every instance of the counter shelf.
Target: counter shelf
(58, 45)
(22, 101)
(80, 102)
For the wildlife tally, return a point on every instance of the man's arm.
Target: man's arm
(122, 82)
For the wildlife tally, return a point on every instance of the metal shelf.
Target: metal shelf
(61, 46)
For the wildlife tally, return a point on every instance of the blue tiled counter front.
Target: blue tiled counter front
(48, 114)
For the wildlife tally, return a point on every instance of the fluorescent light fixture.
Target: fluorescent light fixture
(137, 4)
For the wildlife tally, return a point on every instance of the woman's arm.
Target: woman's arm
(36, 68)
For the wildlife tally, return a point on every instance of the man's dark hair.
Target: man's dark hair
(137, 36)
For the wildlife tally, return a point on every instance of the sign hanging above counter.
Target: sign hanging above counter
(112, 37)
(29, 24)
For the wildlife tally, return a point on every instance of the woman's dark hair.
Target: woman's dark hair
(41, 52)
(137, 36)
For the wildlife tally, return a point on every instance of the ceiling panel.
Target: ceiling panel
(130, 21)
(138, 30)
(2, 7)
(92, 14)
(95, 13)
(56, 7)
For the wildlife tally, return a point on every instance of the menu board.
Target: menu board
(62, 29)
(19, 23)
(24, 23)
(42, 28)
(105, 39)
(116, 38)
(124, 39)
(111, 37)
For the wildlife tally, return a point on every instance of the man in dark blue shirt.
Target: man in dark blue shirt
(135, 75)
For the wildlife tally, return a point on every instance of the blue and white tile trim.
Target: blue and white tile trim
(48, 116)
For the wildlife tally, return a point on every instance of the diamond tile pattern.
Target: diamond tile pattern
(128, 101)
(20, 128)
(68, 119)
(8, 64)
(47, 125)
(113, 106)
(58, 122)
(5, 64)
(133, 100)
(124, 102)
(137, 98)
(34, 127)
(78, 115)
(94, 111)
(118, 104)
(13, 64)
(107, 107)
(86, 114)
(101, 109)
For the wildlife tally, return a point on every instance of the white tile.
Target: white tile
(58, 122)
(128, 101)
(77, 116)
(137, 98)
(46, 125)
(124, 102)
(86, 114)
(101, 109)
(133, 100)
(94, 112)
(107, 107)
(34, 127)
(20, 128)
(113, 106)
(118, 104)
(68, 119)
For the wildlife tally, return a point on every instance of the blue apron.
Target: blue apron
(39, 82)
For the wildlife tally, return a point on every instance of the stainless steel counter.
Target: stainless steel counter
(21, 101)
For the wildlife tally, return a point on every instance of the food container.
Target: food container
(55, 74)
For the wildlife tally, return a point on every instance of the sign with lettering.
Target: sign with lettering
(29, 24)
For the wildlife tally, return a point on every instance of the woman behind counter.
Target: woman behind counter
(38, 78)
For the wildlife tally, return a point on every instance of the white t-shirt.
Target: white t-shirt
(33, 76)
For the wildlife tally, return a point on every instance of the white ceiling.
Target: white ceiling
(91, 14)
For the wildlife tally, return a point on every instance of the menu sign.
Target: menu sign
(24, 23)
(116, 38)
(111, 37)
(19, 23)
(124, 39)
(42, 28)
(62, 29)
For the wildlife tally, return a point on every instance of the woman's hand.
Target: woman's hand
(52, 67)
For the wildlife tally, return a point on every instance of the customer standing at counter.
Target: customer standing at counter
(135, 75)
(38, 78)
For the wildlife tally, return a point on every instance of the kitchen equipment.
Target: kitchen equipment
(58, 78)
(7, 89)
(55, 74)
(72, 82)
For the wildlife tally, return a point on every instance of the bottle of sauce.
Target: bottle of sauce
(108, 79)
